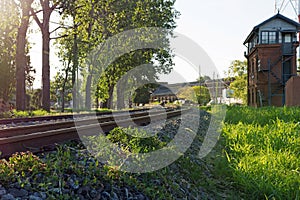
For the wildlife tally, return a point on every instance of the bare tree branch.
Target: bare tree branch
(35, 17)
(35, 12)
(60, 27)
(62, 36)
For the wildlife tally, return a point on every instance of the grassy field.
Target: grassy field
(262, 147)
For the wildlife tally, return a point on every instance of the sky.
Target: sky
(219, 27)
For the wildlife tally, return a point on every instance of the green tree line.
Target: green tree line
(81, 27)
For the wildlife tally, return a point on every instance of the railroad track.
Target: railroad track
(60, 117)
(43, 137)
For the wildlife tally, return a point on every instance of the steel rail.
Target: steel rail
(59, 117)
(38, 138)
(21, 130)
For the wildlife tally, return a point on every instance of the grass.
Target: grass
(263, 151)
(261, 116)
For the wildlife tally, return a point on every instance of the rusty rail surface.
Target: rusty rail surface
(37, 138)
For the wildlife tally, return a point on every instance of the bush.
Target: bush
(134, 140)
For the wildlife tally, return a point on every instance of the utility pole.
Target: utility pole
(199, 85)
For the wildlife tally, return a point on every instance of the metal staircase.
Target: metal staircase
(278, 88)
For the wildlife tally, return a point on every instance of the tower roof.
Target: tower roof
(277, 16)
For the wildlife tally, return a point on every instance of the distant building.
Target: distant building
(168, 92)
(272, 60)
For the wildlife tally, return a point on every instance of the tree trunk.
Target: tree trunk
(88, 97)
(45, 54)
(121, 94)
(63, 92)
(63, 100)
(21, 60)
(111, 97)
(44, 26)
(105, 104)
(74, 70)
(97, 102)
(88, 91)
(46, 69)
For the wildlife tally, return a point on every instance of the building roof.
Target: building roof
(277, 16)
(168, 89)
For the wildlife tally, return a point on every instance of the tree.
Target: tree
(22, 61)
(238, 72)
(69, 56)
(95, 21)
(187, 93)
(133, 80)
(48, 7)
(202, 94)
(29, 70)
(142, 14)
(35, 99)
(61, 88)
(142, 94)
(83, 35)
(62, 82)
(125, 63)
(9, 22)
(196, 94)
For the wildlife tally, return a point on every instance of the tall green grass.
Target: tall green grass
(263, 150)
(262, 116)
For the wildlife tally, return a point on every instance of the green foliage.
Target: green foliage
(35, 99)
(196, 94)
(238, 72)
(202, 94)
(263, 151)
(116, 17)
(237, 68)
(39, 113)
(134, 140)
(87, 33)
(187, 93)
(9, 22)
(19, 114)
(20, 167)
(142, 94)
(59, 86)
(7, 114)
(261, 116)
(50, 172)
(239, 87)
(206, 108)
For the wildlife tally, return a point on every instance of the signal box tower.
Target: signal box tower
(272, 60)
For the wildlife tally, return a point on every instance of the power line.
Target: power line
(280, 6)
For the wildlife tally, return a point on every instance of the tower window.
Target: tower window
(264, 37)
(287, 38)
(272, 37)
(268, 37)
